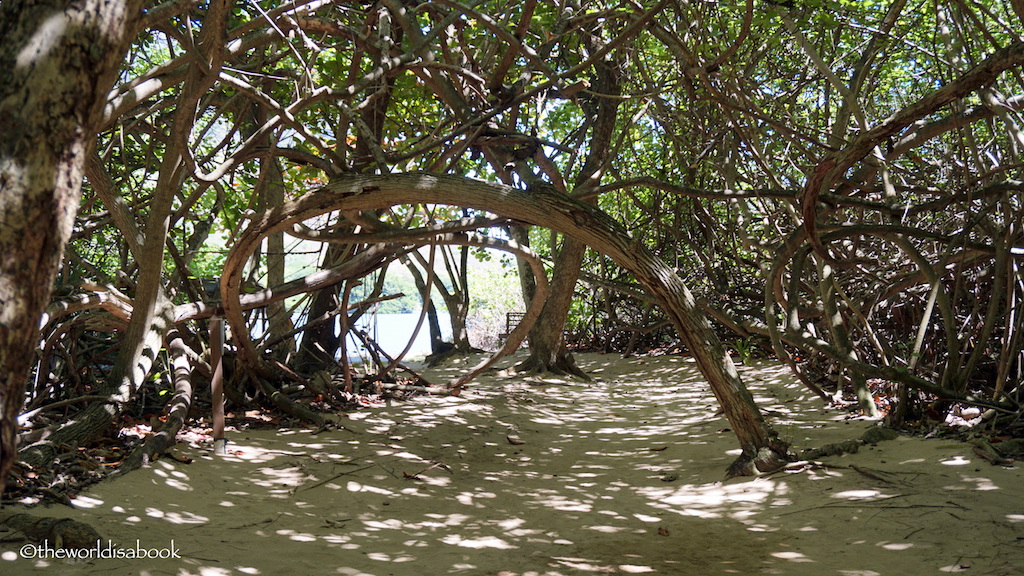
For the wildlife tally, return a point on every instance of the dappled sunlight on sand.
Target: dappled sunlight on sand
(533, 477)
(718, 500)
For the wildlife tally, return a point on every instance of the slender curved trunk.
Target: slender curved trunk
(279, 320)
(456, 300)
(548, 350)
(761, 447)
(433, 324)
(527, 281)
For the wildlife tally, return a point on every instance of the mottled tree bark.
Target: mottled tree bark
(58, 62)
(152, 313)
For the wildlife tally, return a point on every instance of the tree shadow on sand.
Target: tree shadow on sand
(622, 475)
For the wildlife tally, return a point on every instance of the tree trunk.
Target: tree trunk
(320, 343)
(458, 305)
(548, 351)
(527, 281)
(457, 299)
(58, 62)
(278, 319)
(437, 344)
(761, 447)
(827, 292)
(152, 310)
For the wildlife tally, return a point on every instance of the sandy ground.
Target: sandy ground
(548, 478)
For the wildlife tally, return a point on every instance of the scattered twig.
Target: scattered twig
(392, 472)
(870, 504)
(514, 439)
(266, 522)
(870, 474)
(331, 479)
(434, 464)
(413, 388)
(907, 537)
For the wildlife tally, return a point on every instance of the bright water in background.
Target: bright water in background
(392, 332)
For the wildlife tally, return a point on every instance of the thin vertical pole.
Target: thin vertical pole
(217, 383)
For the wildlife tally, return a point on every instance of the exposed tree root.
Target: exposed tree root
(57, 532)
(872, 435)
(762, 461)
(289, 406)
(88, 424)
(177, 411)
(447, 352)
(562, 365)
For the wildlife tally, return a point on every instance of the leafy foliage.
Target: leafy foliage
(725, 111)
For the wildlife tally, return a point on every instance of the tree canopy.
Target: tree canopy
(834, 183)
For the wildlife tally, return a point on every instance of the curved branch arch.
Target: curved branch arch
(762, 449)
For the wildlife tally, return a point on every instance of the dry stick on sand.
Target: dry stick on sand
(435, 464)
(331, 479)
(807, 464)
(869, 504)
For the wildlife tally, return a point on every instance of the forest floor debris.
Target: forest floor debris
(622, 475)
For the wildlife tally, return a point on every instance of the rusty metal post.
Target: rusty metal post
(217, 383)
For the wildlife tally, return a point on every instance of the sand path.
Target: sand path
(547, 478)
